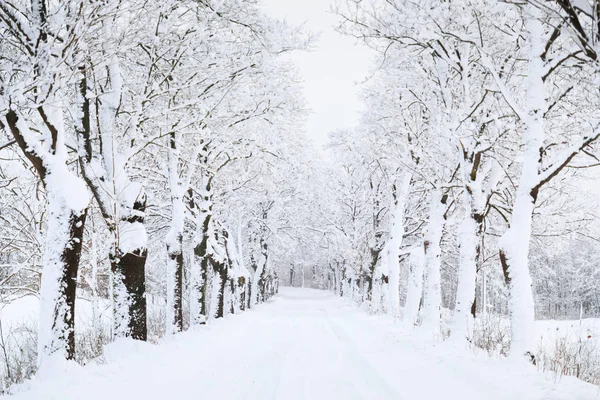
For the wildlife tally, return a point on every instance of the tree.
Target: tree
(34, 59)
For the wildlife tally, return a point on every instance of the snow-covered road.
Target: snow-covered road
(305, 344)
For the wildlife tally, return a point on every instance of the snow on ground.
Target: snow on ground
(549, 331)
(306, 344)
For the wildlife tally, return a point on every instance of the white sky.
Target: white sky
(332, 72)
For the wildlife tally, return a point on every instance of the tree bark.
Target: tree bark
(65, 225)
(414, 288)
(59, 281)
(514, 244)
(128, 267)
(203, 231)
(175, 254)
(394, 244)
(432, 290)
(242, 288)
(175, 242)
(221, 270)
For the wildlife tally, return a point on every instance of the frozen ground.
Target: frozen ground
(549, 331)
(306, 344)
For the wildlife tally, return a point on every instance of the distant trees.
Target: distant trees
(475, 97)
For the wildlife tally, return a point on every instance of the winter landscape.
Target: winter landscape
(286, 199)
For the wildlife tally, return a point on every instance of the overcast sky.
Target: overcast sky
(332, 72)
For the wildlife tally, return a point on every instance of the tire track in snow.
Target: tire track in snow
(375, 386)
(272, 374)
(317, 365)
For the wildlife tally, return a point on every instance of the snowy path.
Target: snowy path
(306, 344)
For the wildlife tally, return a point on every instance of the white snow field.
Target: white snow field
(305, 344)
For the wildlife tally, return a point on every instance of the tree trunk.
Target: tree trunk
(175, 270)
(258, 283)
(175, 242)
(203, 231)
(462, 323)
(249, 297)
(59, 280)
(394, 244)
(233, 296)
(204, 297)
(68, 200)
(242, 289)
(128, 268)
(221, 270)
(414, 288)
(514, 252)
(514, 244)
(342, 283)
(93, 283)
(477, 194)
(370, 273)
(432, 290)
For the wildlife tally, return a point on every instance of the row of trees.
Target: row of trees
(151, 157)
(147, 155)
(478, 121)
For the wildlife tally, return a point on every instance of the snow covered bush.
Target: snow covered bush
(89, 343)
(571, 348)
(492, 334)
(157, 323)
(18, 352)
